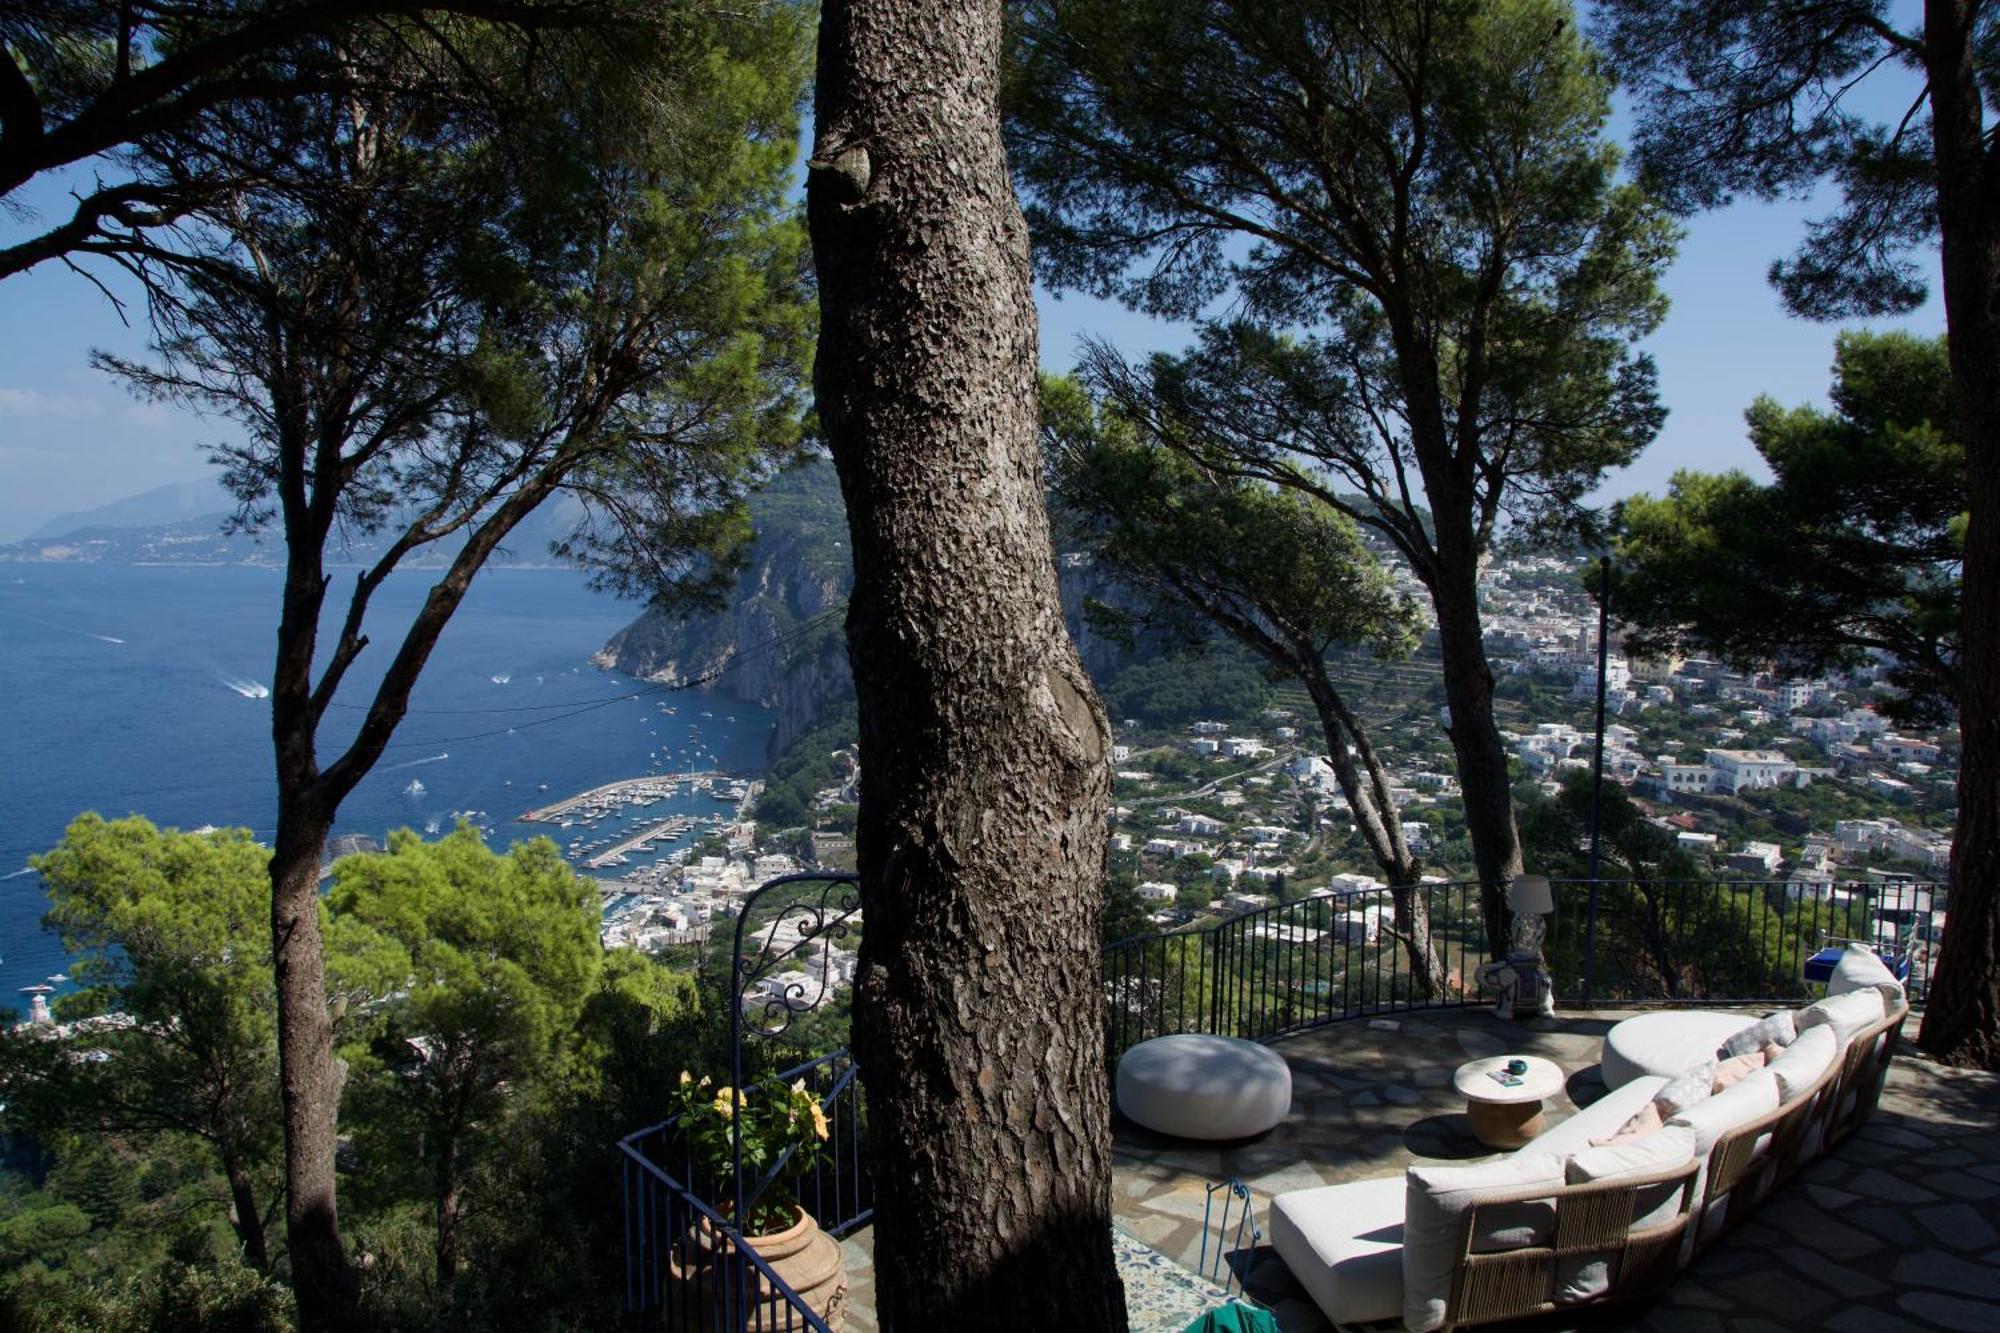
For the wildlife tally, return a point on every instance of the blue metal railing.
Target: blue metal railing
(687, 1266)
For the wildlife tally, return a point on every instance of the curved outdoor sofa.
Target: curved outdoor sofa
(1562, 1222)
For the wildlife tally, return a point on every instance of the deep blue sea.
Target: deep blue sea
(141, 690)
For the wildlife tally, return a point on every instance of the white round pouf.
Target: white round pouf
(1665, 1042)
(1194, 1086)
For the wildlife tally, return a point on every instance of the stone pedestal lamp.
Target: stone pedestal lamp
(1521, 979)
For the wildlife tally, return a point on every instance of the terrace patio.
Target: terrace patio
(1897, 1228)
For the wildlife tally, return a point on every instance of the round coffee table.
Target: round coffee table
(1504, 1117)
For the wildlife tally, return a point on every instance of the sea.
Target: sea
(145, 690)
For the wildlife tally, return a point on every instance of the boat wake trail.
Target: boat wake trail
(246, 687)
(65, 629)
(502, 678)
(412, 763)
(24, 870)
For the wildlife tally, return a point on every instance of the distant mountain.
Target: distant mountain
(176, 503)
(123, 534)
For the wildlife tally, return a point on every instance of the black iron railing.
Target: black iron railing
(1297, 965)
(1734, 942)
(1259, 975)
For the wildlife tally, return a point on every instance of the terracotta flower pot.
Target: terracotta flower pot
(804, 1257)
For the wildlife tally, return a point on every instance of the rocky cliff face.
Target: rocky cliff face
(781, 641)
(778, 643)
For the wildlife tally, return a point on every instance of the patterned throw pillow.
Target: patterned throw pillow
(1780, 1028)
(1733, 1069)
(1695, 1084)
(1647, 1121)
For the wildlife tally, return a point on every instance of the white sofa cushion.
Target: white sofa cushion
(1741, 1102)
(1344, 1244)
(1598, 1120)
(1860, 967)
(1580, 1277)
(1665, 1042)
(1434, 1200)
(1672, 1146)
(1845, 1014)
(1800, 1064)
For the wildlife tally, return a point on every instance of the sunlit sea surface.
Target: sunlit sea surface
(145, 690)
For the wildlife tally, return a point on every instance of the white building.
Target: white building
(1244, 747)
(1905, 749)
(1757, 858)
(1157, 891)
(1743, 770)
(1696, 779)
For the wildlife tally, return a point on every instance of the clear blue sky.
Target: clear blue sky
(71, 438)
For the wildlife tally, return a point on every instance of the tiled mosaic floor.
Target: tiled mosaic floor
(1161, 1296)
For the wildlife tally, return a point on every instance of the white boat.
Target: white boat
(415, 788)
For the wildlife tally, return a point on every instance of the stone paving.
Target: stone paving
(1899, 1228)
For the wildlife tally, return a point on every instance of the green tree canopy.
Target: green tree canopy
(171, 935)
(129, 86)
(438, 320)
(1760, 96)
(1855, 544)
(1418, 211)
(464, 974)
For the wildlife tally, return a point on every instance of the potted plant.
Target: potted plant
(781, 1128)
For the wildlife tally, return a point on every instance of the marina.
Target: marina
(599, 801)
(610, 809)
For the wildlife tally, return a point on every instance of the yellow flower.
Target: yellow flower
(819, 1121)
(725, 1103)
(686, 1078)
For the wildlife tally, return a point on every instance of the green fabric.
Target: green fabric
(1234, 1317)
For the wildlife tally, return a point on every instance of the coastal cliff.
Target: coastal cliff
(780, 642)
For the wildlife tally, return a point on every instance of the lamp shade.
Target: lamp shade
(1530, 895)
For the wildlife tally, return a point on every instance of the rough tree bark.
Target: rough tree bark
(1380, 822)
(1962, 1020)
(308, 1079)
(309, 796)
(1475, 738)
(979, 1012)
(245, 1218)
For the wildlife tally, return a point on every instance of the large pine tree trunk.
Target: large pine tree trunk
(308, 1081)
(1380, 823)
(1962, 1018)
(1475, 739)
(978, 1015)
(245, 1217)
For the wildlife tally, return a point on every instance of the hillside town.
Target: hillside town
(1757, 776)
